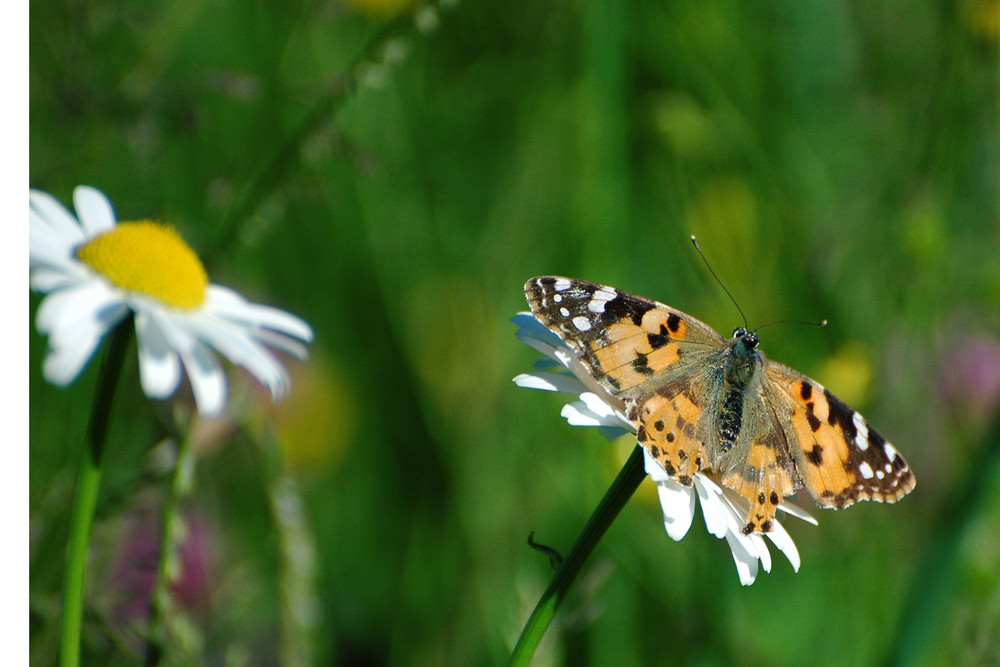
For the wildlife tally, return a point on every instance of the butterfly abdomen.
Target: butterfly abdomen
(742, 362)
(730, 418)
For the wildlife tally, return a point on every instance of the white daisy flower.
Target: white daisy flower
(96, 271)
(724, 510)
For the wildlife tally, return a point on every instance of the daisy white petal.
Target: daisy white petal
(610, 414)
(208, 380)
(676, 500)
(159, 363)
(747, 563)
(81, 309)
(52, 279)
(781, 539)
(578, 414)
(240, 348)
(582, 413)
(794, 510)
(560, 382)
(51, 217)
(63, 363)
(93, 210)
(204, 371)
(529, 327)
(714, 509)
(760, 548)
(47, 245)
(75, 319)
(282, 342)
(548, 364)
(229, 304)
(540, 345)
(677, 503)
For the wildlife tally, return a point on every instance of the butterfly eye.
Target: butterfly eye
(749, 338)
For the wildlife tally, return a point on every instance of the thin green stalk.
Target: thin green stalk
(272, 172)
(614, 500)
(85, 500)
(168, 566)
(299, 608)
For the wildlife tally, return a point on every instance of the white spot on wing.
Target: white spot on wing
(562, 284)
(866, 470)
(880, 474)
(564, 312)
(861, 439)
(600, 299)
(891, 452)
(557, 298)
(581, 323)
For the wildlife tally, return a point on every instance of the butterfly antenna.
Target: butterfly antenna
(728, 293)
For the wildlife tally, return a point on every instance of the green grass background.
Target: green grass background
(395, 181)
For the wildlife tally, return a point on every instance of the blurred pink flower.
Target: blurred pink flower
(134, 569)
(970, 375)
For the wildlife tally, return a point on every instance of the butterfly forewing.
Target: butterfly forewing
(623, 339)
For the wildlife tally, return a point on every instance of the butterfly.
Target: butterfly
(699, 402)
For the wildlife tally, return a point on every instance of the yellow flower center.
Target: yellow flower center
(148, 258)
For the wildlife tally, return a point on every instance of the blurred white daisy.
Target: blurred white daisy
(724, 510)
(96, 271)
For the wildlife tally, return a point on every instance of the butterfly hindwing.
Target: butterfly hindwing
(759, 467)
(667, 425)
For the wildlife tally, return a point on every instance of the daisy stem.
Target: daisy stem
(614, 500)
(85, 500)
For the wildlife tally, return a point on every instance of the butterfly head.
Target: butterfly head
(743, 359)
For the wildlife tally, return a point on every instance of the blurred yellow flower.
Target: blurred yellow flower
(848, 372)
(317, 424)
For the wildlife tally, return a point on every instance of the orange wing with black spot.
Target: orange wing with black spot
(840, 458)
(629, 344)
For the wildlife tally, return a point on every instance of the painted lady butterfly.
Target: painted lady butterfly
(700, 402)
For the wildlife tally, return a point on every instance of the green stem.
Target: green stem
(85, 501)
(168, 566)
(614, 500)
(272, 172)
(296, 556)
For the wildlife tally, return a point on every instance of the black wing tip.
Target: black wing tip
(537, 281)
